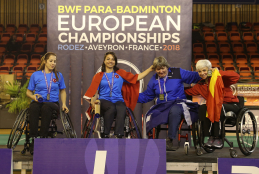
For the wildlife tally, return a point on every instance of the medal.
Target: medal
(110, 84)
(48, 86)
(161, 96)
(162, 90)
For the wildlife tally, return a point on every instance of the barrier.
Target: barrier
(81, 156)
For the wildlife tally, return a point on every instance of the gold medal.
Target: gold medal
(161, 97)
(48, 96)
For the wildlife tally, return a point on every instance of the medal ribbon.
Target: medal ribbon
(50, 83)
(161, 90)
(110, 84)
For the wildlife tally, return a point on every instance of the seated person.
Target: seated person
(225, 96)
(13, 45)
(166, 86)
(110, 84)
(46, 82)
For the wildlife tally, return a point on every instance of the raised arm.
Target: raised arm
(145, 73)
(189, 76)
(229, 77)
(148, 94)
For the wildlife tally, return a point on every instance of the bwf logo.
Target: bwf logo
(244, 170)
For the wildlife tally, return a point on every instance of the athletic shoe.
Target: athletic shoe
(210, 142)
(217, 143)
(169, 144)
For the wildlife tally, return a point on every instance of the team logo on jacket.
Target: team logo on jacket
(116, 76)
(54, 80)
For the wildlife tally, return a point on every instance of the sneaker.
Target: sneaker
(169, 144)
(210, 142)
(217, 143)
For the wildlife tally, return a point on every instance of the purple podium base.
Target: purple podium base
(238, 165)
(6, 161)
(109, 156)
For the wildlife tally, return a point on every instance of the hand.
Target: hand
(35, 97)
(64, 108)
(151, 68)
(95, 103)
(213, 69)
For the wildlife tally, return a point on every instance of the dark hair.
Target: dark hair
(45, 58)
(115, 68)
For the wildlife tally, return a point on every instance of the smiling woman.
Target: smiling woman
(224, 97)
(117, 89)
(44, 87)
(167, 86)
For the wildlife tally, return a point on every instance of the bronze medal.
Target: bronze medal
(161, 97)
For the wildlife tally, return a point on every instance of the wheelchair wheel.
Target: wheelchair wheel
(87, 128)
(201, 138)
(134, 130)
(195, 135)
(247, 134)
(68, 126)
(195, 139)
(18, 129)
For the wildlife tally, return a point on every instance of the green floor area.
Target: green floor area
(4, 139)
(234, 140)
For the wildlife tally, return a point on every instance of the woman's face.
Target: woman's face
(51, 62)
(162, 71)
(203, 72)
(109, 61)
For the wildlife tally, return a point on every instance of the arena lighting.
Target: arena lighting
(141, 85)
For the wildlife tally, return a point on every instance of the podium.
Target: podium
(112, 156)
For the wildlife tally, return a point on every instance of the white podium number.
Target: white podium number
(245, 169)
(99, 163)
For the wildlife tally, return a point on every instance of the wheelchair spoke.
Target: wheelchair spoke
(67, 125)
(247, 132)
(133, 125)
(18, 129)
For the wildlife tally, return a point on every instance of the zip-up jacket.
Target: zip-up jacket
(173, 87)
(228, 77)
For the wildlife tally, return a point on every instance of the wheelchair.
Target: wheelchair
(22, 125)
(182, 127)
(246, 131)
(154, 134)
(94, 128)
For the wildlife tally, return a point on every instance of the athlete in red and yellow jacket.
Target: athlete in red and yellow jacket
(216, 90)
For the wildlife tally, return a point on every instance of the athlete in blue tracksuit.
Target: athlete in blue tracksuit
(167, 85)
